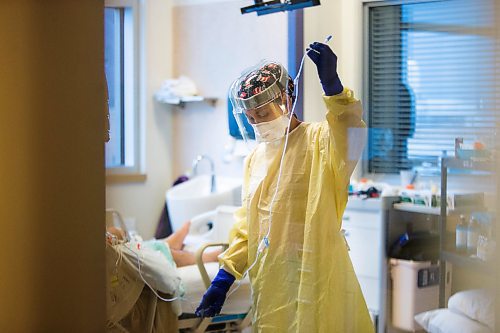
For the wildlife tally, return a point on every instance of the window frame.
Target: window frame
(132, 99)
(367, 5)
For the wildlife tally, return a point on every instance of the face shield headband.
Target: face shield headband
(260, 86)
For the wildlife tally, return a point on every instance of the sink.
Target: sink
(193, 197)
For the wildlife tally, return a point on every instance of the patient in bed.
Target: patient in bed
(175, 243)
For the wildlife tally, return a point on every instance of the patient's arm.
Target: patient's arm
(185, 258)
(175, 243)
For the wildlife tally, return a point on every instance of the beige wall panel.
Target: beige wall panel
(213, 44)
(51, 169)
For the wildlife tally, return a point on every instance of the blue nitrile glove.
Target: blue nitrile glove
(326, 64)
(214, 298)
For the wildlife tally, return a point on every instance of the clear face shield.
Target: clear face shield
(261, 96)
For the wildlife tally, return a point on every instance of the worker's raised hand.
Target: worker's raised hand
(215, 296)
(326, 64)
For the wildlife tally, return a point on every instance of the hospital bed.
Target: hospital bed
(154, 315)
(235, 314)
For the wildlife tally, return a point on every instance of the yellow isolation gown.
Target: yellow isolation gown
(304, 281)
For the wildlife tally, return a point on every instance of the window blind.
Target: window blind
(431, 74)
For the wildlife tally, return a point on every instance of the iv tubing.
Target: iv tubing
(264, 243)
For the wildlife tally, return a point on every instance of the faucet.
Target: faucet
(196, 161)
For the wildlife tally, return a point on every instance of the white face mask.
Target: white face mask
(271, 130)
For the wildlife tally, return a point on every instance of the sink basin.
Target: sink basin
(193, 197)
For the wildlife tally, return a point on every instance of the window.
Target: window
(121, 67)
(430, 78)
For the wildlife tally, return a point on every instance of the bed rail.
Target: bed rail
(199, 261)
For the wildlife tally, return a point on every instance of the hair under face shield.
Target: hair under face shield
(256, 87)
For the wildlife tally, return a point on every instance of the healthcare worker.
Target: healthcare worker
(290, 236)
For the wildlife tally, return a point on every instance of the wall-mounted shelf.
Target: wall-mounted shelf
(182, 101)
(473, 165)
(406, 207)
(466, 261)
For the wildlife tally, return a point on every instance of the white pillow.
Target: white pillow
(447, 321)
(477, 304)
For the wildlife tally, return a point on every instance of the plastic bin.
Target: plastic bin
(415, 289)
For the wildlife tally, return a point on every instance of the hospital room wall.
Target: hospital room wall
(213, 43)
(210, 42)
(51, 174)
(343, 19)
(142, 202)
(227, 46)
